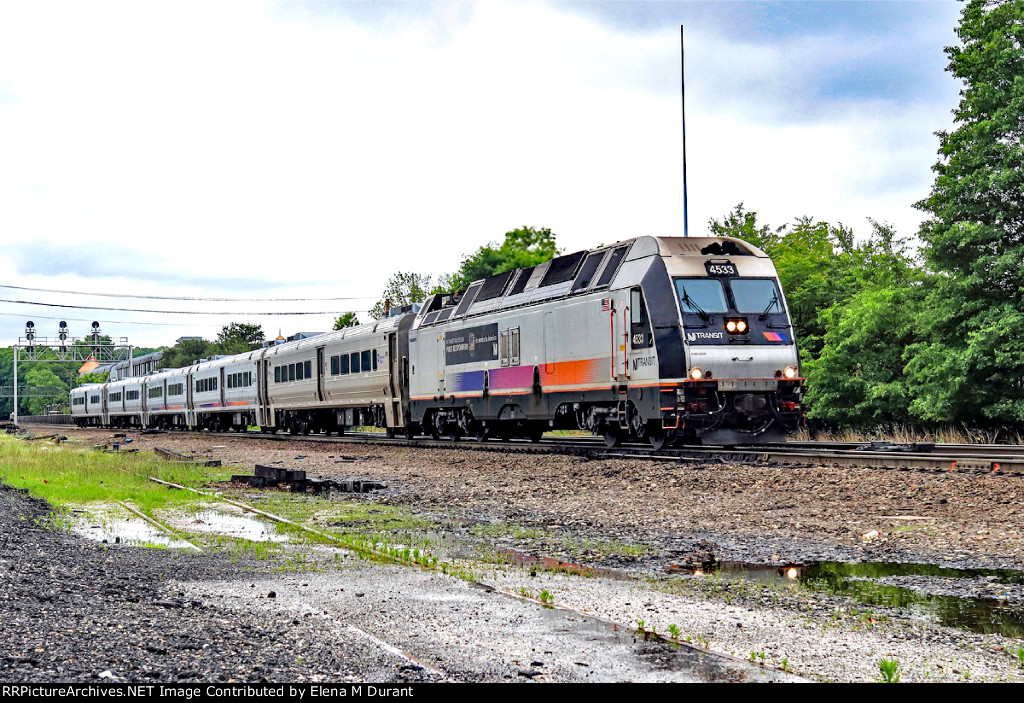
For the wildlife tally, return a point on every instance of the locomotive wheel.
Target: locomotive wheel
(481, 433)
(612, 436)
(660, 438)
(535, 434)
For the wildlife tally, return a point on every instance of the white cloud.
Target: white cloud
(321, 154)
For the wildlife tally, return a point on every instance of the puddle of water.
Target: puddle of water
(113, 525)
(549, 563)
(926, 591)
(219, 522)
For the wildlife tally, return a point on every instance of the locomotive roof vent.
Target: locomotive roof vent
(725, 248)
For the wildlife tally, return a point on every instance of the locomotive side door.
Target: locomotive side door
(440, 364)
(619, 331)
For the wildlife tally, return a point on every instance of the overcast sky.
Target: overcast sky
(312, 149)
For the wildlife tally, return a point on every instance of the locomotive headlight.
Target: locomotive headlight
(736, 326)
(790, 372)
(696, 374)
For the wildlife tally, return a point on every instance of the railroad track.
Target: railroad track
(1006, 460)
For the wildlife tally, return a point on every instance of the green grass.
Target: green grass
(65, 476)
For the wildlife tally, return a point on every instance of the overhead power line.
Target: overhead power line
(173, 297)
(170, 312)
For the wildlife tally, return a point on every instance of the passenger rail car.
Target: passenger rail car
(657, 338)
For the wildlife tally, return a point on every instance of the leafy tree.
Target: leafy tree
(6, 381)
(858, 378)
(521, 248)
(402, 289)
(972, 362)
(187, 352)
(239, 337)
(93, 377)
(42, 387)
(348, 319)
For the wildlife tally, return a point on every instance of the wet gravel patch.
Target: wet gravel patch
(76, 610)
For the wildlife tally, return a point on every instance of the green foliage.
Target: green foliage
(48, 387)
(970, 366)
(858, 379)
(890, 670)
(402, 289)
(239, 337)
(185, 353)
(93, 377)
(348, 319)
(234, 338)
(522, 248)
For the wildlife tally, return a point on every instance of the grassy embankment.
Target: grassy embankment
(68, 475)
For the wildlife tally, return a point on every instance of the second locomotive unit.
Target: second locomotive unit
(661, 339)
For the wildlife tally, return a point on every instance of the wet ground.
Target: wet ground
(817, 571)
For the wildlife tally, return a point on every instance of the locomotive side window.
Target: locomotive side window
(354, 359)
(344, 363)
(291, 372)
(639, 330)
(364, 360)
(701, 295)
(756, 295)
(307, 369)
(335, 365)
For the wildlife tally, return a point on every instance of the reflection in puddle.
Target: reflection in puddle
(237, 526)
(979, 600)
(551, 564)
(113, 525)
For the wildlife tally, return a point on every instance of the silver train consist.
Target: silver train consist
(662, 339)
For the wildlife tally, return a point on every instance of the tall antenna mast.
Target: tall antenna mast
(682, 74)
